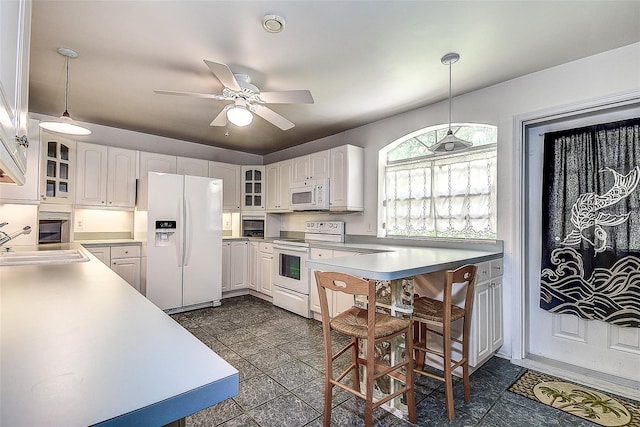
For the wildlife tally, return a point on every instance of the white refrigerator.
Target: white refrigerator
(184, 241)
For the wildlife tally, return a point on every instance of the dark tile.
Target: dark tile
(293, 374)
(215, 414)
(269, 358)
(432, 412)
(249, 347)
(243, 420)
(284, 411)
(258, 390)
(507, 414)
(246, 369)
(313, 394)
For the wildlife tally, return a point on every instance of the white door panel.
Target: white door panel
(589, 344)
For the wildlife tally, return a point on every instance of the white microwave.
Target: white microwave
(310, 195)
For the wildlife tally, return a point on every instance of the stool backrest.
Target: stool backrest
(341, 282)
(462, 275)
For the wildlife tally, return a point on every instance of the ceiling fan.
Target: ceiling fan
(246, 99)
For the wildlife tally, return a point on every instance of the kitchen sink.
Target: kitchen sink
(60, 256)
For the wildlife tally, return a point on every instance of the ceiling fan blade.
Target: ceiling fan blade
(197, 95)
(224, 74)
(221, 118)
(271, 116)
(287, 97)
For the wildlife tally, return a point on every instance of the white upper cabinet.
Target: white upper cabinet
(193, 167)
(346, 178)
(278, 184)
(231, 177)
(253, 188)
(106, 176)
(57, 168)
(15, 30)
(30, 191)
(152, 162)
(313, 166)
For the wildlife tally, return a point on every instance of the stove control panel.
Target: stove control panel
(325, 227)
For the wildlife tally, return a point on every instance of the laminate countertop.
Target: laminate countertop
(388, 262)
(80, 346)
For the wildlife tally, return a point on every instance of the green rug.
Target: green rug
(584, 402)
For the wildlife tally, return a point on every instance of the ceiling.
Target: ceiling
(361, 60)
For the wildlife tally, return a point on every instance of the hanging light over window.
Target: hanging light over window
(450, 142)
(239, 114)
(65, 123)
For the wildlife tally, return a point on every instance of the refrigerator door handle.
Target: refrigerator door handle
(179, 232)
(188, 224)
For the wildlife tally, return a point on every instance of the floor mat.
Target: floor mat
(584, 402)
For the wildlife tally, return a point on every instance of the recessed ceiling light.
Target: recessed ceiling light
(273, 23)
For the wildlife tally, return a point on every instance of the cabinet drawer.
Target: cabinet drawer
(266, 247)
(496, 268)
(321, 253)
(125, 252)
(484, 271)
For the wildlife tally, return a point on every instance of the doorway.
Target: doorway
(594, 348)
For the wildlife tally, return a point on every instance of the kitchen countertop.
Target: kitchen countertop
(388, 262)
(80, 346)
(109, 242)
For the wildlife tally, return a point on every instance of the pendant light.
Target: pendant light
(65, 123)
(450, 142)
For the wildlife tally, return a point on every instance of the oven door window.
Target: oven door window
(290, 266)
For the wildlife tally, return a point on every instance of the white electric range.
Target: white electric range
(291, 289)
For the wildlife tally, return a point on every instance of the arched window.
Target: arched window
(450, 195)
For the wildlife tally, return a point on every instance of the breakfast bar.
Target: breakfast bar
(80, 346)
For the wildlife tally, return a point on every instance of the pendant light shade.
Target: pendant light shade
(65, 124)
(450, 142)
(239, 114)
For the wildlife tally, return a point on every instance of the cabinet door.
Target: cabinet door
(300, 169)
(30, 190)
(230, 176)
(121, 178)
(346, 178)
(226, 266)
(15, 30)
(193, 167)
(319, 165)
(103, 253)
(272, 199)
(128, 269)
(284, 184)
(496, 313)
(57, 168)
(253, 188)
(252, 265)
(152, 162)
(315, 297)
(91, 174)
(238, 272)
(480, 325)
(266, 274)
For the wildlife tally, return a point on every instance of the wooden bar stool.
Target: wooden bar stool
(435, 316)
(369, 325)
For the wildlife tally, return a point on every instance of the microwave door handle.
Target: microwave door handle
(313, 195)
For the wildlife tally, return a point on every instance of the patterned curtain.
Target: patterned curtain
(591, 223)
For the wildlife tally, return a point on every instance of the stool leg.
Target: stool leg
(368, 408)
(448, 380)
(328, 375)
(465, 365)
(408, 357)
(354, 360)
(419, 332)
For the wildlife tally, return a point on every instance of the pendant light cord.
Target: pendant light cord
(450, 96)
(66, 90)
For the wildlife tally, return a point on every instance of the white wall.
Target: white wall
(596, 77)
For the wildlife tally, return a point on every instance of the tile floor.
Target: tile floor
(280, 359)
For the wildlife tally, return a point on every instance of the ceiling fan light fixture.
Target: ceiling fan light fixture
(273, 23)
(450, 142)
(239, 115)
(65, 123)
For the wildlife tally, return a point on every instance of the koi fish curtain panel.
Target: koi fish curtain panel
(591, 223)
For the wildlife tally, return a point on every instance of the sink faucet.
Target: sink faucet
(4, 237)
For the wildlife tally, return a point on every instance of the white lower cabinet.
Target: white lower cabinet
(234, 271)
(486, 318)
(252, 265)
(123, 260)
(337, 301)
(265, 269)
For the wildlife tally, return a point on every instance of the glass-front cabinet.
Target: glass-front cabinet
(57, 168)
(253, 188)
